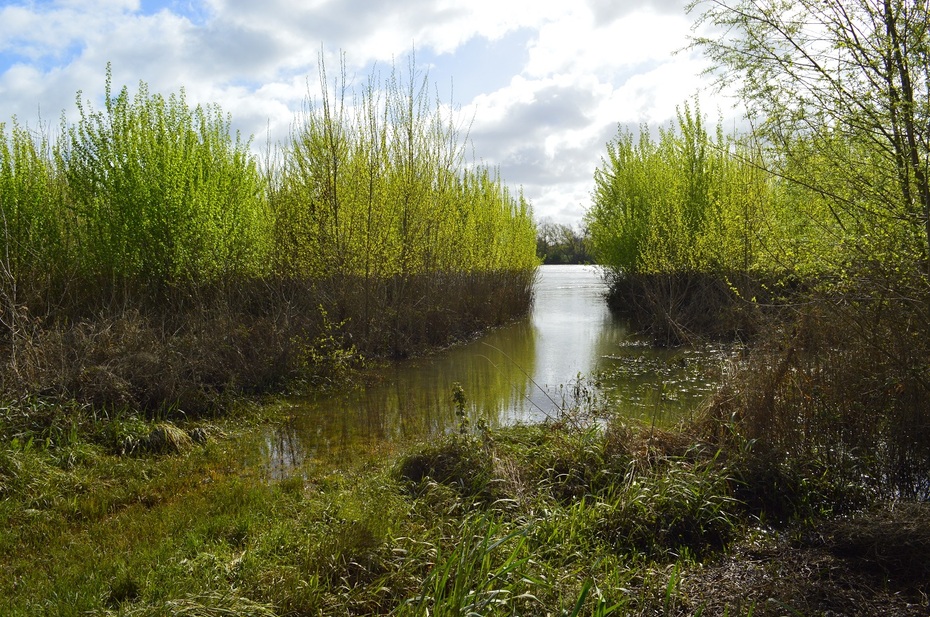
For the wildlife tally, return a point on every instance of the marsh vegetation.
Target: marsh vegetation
(153, 271)
(149, 260)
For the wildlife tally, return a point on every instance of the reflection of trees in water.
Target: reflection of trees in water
(572, 331)
(413, 399)
(283, 451)
(492, 372)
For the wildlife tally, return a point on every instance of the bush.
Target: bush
(147, 261)
(164, 196)
(844, 384)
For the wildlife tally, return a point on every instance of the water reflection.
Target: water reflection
(572, 326)
(512, 374)
(412, 400)
(659, 385)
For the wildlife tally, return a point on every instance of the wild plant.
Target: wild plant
(165, 195)
(33, 222)
(375, 185)
(483, 573)
(151, 211)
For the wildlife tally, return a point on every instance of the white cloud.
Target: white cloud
(578, 43)
(547, 129)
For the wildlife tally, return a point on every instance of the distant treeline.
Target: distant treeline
(366, 231)
(562, 244)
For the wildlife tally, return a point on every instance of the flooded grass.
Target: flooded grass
(664, 385)
(560, 519)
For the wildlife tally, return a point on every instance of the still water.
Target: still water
(524, 372)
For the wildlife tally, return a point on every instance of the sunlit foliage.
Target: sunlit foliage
(686, 201)
(150, 223)
(161, 192)
(377, 185)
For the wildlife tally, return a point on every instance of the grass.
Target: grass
(561, 519)
(139, 305)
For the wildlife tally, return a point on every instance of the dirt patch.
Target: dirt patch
(874, 563)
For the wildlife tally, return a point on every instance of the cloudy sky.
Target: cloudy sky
(546, 82)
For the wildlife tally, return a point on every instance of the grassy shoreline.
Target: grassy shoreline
(561, 518)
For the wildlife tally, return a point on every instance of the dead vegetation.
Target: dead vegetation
(872, 563)
(677, 308)
(192, 355)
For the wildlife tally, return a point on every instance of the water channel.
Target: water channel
(524, 372)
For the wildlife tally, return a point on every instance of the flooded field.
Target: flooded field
(528, 371)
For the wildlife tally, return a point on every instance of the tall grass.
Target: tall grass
(479, 575)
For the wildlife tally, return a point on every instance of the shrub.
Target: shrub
(164, 196)
(843, 385)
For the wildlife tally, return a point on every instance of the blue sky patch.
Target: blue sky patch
(198, 13)
(477, 66)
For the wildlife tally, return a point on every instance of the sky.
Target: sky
(543, 85)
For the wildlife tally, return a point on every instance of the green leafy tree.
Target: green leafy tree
(33, 227)
(839, 92)
(374, 184)
(688, 201)
(164, 194)
(562, 244)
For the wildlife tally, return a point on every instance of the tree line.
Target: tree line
(367, 230)
(558, 243)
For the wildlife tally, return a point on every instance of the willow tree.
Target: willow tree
(375, 184)
(689, 201)
(33, 239)
(840, 90)
(165, 194)
(678, 222)
(376, 208)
